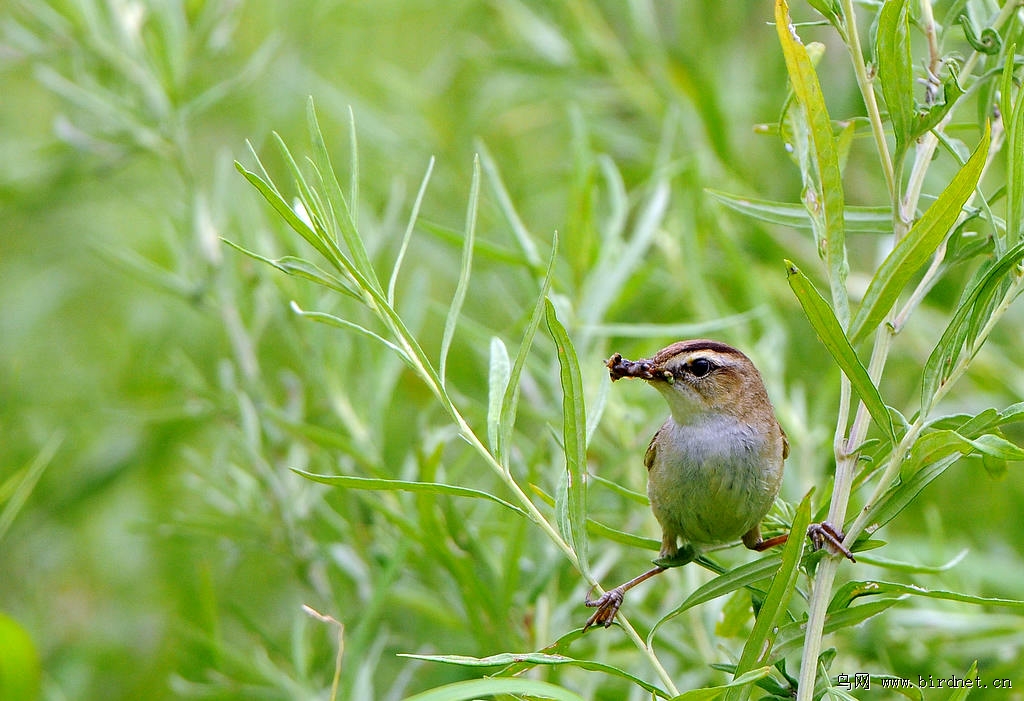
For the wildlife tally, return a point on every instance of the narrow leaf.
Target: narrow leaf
(510, 403)
(895, 71)
(413, 216)
(961, 693)
(860, 220)
(452, 320)
(791, 635)
(936, 445)
(830, 333)
(389, 485)
(270, 193)
(301, 268)
(477, 688)
(340, 323)
(532, 659)
(829, 200)
(1015, 171)
(742, 576)
(758, 648)
(17, 488)
(603, 531)
(341, 208)
(914, 249)
(715, 691)
(497, 384)
(900, 495)
(947, 351)
(574, 426)
(523, 237)
(851, 591)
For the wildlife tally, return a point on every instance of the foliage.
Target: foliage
(411, 497)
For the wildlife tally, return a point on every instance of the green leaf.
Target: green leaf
(510, 402)
(944, 357)
(522, 235)
(679, 330)
(860, 220)
(914, 249)
(1014, 167)
(903, 493)
(16, 488)
(270, 193)
(988, 42)
(895, 71)
(298, 267)
(20, 674)
(572, 509)
(831, 334)
(390, 485)
(476, 688)
(604, 531)
(413, 216)
(466, 268)
(714, 692)
(524, 660)
(936, 445)
(831, 10)
(791, 635)
(911, 567)
(851, 591)
(828, 202)
(737, 578)
(758, 648)
(961, 693)
(497, 384)
(342, 210)
(929, 119)
(340, 323)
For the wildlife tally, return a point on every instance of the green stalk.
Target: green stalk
(903, 213)
(868, 93)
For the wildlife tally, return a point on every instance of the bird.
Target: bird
(715, 466)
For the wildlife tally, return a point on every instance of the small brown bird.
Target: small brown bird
(715, 465)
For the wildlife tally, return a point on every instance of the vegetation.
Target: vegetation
(204, 494)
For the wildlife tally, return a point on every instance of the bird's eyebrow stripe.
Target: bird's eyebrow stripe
(694, 345)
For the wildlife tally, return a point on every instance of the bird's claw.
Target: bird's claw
(824, 533)
(607, 606)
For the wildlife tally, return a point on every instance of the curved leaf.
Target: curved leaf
(914, 249)
(830, 333)
(571, 502)
(758, 648)
(475, 688)
(377, 484)
(530, 659)
(828, 203)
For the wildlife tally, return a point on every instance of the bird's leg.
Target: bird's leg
(608, 603)
(752, 540)
(824, 533)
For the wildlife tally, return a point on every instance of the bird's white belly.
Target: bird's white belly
(707, 483)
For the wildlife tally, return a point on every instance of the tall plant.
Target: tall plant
(936, 224)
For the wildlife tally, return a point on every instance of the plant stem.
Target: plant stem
(467, 433)
(868, 93)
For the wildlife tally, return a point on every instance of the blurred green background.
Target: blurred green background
(158, 384)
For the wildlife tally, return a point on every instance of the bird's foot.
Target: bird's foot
(607, 606)
(684, 556)
(824, 533)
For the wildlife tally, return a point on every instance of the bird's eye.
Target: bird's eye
(700, 367)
